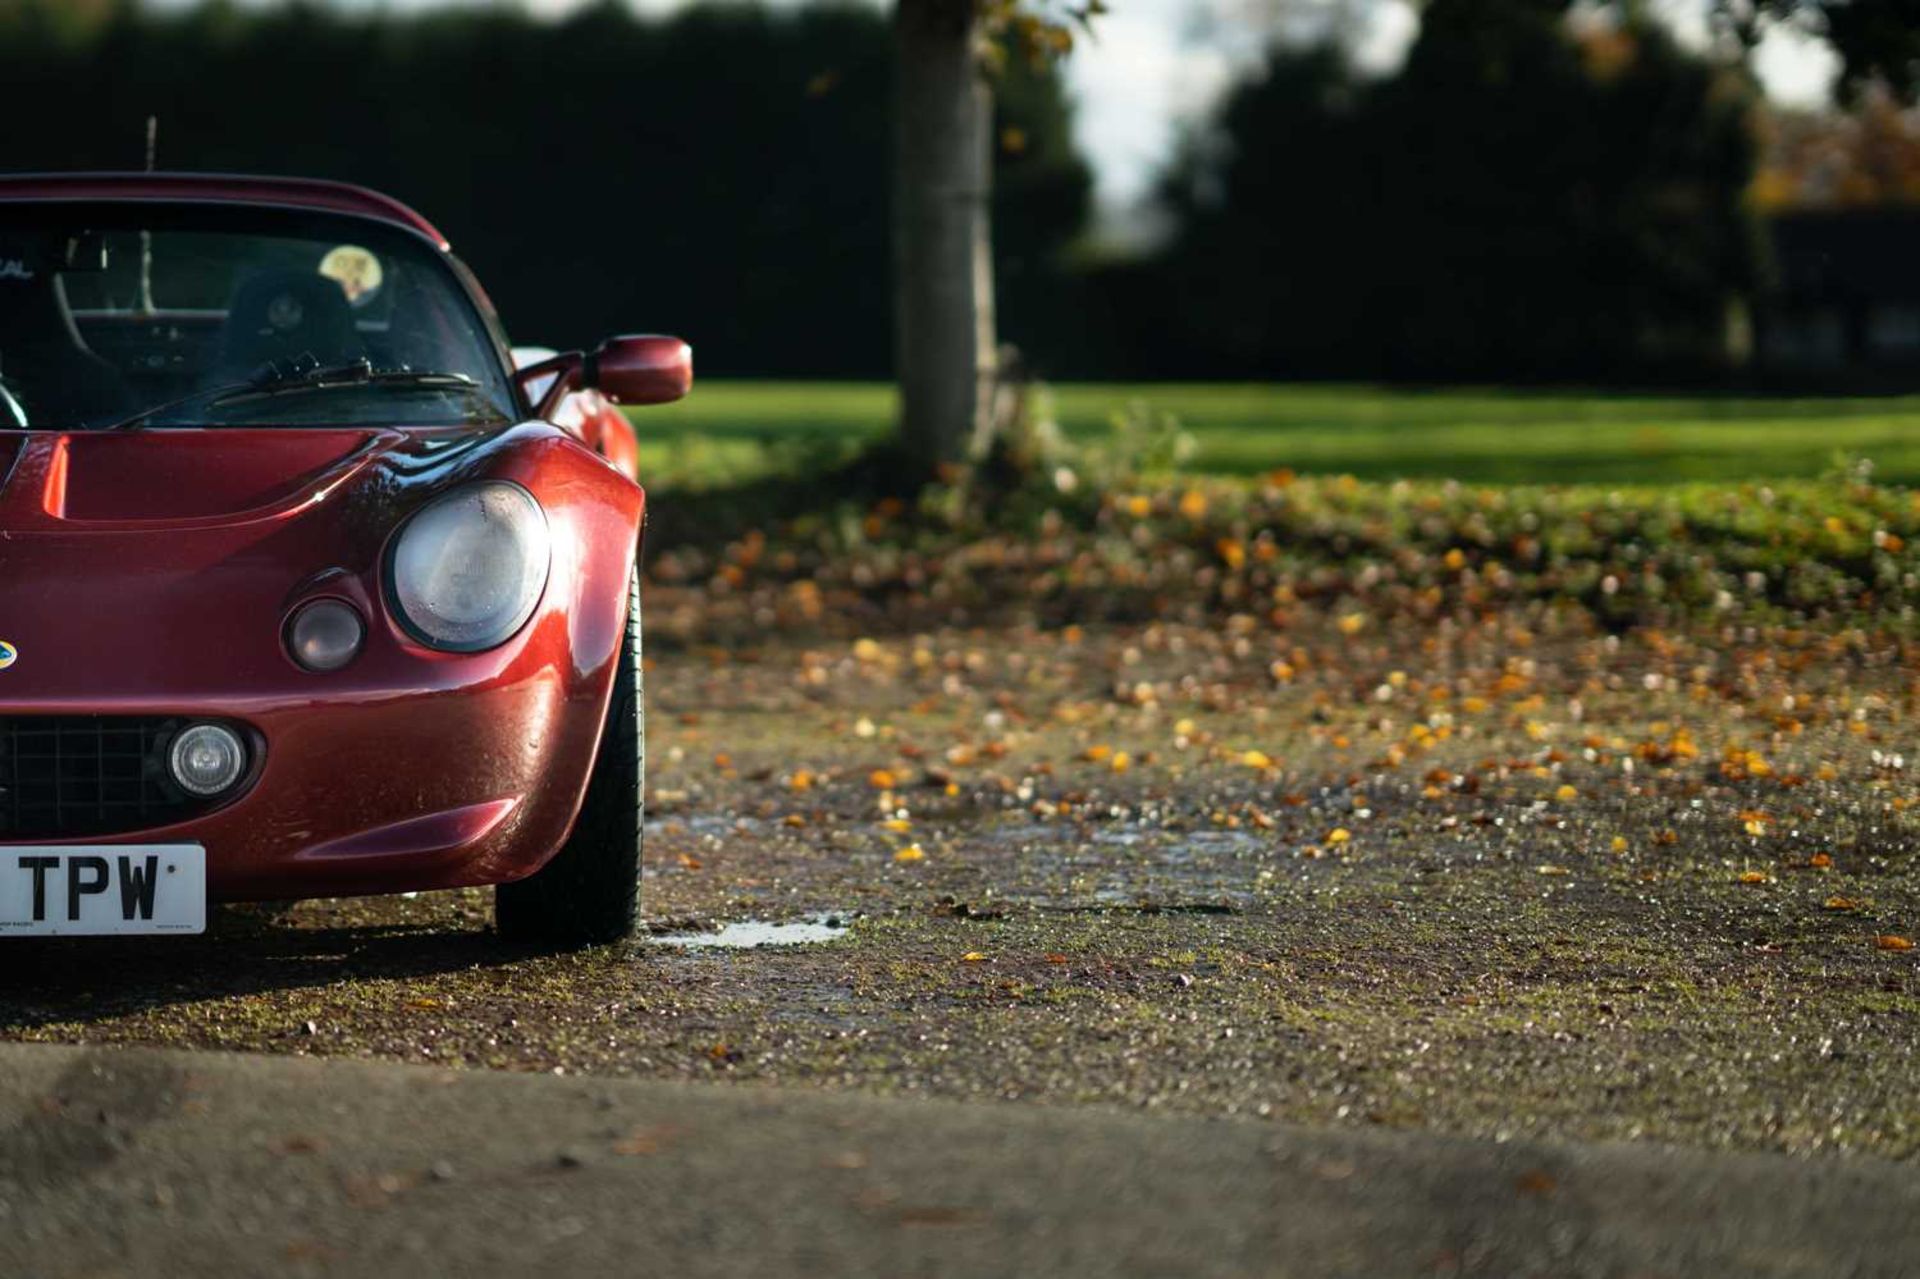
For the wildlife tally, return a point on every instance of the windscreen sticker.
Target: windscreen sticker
(356, 270)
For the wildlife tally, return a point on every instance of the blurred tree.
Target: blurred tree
(944, 343)
(1877, 40)
(1525, 198)
(945, 337)
(1830, 160)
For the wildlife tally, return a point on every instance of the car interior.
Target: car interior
(95, 326)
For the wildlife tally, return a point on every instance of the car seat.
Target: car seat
(283, 315)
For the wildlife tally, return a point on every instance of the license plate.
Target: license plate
(91, 891)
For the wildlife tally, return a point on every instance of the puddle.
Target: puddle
(754, 932)
(1127, 863)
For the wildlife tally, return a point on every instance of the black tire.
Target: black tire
(589, 894)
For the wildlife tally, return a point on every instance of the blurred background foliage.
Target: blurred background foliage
(722, 172)
(1534, 195)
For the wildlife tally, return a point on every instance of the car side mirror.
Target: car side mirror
(641, 369)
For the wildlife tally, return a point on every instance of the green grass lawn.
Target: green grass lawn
(735, 429)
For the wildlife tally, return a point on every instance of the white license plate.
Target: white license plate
(81, 891)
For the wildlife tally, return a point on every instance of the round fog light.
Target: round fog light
(325, 635)
(207, 759)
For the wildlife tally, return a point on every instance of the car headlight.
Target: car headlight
(468, 568)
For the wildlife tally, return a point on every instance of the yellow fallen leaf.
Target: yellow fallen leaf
(1619, 843)
(882, 779)
(801, 779)
(898, 825)
(1120, 762)
(1193, 504)
(974, 957)
(1566, 794)
(1892, 941)
(1755, 877)
(1339, 835)
(866, 650)
(1256, 759)
(911, 853)
(1352, 623)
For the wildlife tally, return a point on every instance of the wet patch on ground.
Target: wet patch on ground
(751, 934)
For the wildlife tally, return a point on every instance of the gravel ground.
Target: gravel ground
(1490, 877)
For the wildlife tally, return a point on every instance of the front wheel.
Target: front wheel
(589, 894)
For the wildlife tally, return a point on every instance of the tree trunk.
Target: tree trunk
(943, 259)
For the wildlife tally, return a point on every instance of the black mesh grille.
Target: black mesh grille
(66, 776)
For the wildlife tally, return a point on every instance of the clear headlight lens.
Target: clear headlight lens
(468, 569)
(207, 759)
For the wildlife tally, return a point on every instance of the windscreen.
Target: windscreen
(203, 316)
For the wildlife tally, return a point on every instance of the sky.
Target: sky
(1157, 65)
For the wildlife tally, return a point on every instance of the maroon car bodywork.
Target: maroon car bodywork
(153, 573)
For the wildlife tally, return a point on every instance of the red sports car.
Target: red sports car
(305, 589)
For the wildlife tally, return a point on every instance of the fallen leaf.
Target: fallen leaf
(974, 957)
(299, 1144)
(1893, 941)
(911, 853)
(646, 1141)
(1536, 1182)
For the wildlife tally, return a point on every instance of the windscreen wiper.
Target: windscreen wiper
(276, 379)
